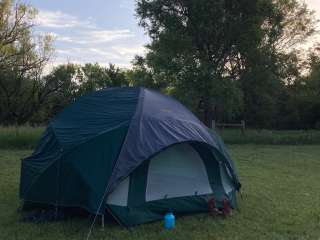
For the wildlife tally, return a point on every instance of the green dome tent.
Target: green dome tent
(131, 151)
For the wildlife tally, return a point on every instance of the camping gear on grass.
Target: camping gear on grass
(169, 221)
(133, 152)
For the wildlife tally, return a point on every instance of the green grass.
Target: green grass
(19, 137)
(270, 137)
(281, 189)
(27, 137)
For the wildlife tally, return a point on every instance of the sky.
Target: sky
(102, 31)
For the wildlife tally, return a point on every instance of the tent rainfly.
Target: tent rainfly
(133, 152)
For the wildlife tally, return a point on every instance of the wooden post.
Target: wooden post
(243, 125)
(102, 221)
(213, 124)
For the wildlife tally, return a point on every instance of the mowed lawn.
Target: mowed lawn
(281, 200)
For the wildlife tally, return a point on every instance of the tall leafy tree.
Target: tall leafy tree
(274, 63)
(202, 48)
(193, 43)
(95, 77)
(22, 59)
(304, 94)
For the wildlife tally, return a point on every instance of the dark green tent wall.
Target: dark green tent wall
(110, 138)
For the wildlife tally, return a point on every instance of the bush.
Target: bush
(19, 137)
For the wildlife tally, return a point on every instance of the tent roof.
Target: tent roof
(93, 114)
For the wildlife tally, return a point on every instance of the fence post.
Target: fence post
(102, 221)
(243, 125)
(213, 124)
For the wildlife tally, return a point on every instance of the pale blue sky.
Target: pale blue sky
(103, 31)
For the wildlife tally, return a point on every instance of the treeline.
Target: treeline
(226, 59)
(284, 106)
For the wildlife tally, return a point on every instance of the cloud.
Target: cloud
(123, 54)
(70, 29)
(108, 35)
(129, 51)
(94, 36)
(105, 53)
(58, 19)
(90, 37)
(83, 41)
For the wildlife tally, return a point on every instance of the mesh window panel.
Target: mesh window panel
(178, 171)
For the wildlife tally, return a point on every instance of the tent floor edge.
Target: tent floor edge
(155, 210)
(114, 216)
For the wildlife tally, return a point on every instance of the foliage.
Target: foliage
(26, 94)
(22, 60)
(232, 55)
(230, 60)
(23, 137)
(62, 86)
(193, 44)
(274, 65)
(281, 193)
(301, 103)
(71, 81)
(96, 77)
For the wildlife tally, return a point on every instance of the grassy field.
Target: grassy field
(281, 200)
(271, 137)
(27, 137)
(19, 138)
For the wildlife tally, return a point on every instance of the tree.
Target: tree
(313, 88)
(305, 93)
(67, 82)
(273, 64)
(192, 43)
(142, 75)
(62, 88)
(22, 59)
(213, 50)
(97, 77)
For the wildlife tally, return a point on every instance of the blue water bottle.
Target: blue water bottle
(169, 221)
